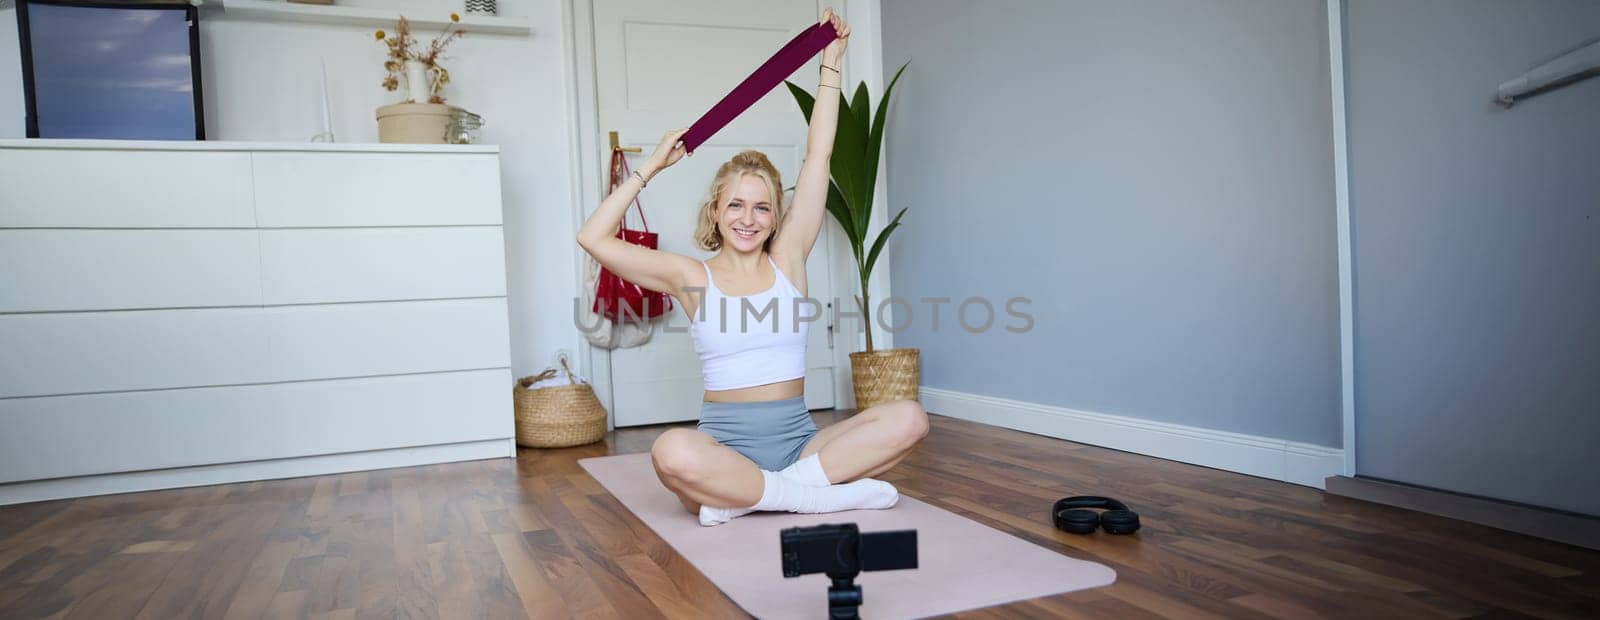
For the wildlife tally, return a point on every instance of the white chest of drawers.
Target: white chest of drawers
(175, 314)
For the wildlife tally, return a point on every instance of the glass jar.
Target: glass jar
(464, 127)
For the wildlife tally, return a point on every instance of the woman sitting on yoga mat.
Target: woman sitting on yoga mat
(757, 447)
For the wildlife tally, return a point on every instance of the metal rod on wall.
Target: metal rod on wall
(1570, 68)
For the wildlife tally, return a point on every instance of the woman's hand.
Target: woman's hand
(834, 53)
(667, 153)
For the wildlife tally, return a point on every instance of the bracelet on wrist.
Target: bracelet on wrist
(825, 66)
(642, 182)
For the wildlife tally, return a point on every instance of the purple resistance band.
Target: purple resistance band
(753, 88)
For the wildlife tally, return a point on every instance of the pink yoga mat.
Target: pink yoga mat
(963, 564)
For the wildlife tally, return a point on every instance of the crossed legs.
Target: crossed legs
(701, 471)
(869, 443)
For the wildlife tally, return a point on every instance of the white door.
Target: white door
(660, 65)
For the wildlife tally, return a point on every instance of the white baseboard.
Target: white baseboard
(1277, 459)
(83, 486)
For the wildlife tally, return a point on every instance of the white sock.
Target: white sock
(717, 516)
(785, 495)
(803, 487)
(782, 494)
(807, 471)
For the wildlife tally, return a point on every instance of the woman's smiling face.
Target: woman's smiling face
(745, 215)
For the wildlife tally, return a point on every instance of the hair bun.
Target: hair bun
(758, 160)
(752, 158)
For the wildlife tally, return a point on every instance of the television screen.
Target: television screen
(111, 70)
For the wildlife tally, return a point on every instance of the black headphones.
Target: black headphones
(1070, 516)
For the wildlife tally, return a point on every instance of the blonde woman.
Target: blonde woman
(756, 447)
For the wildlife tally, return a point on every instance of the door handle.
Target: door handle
(830, 327)
(625, 149)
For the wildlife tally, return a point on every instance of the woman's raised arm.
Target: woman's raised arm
(663, 272)
(803, 222)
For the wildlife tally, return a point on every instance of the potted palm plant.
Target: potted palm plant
(880, 375)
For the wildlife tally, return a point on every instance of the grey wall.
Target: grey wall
(1156, 176)
(1476, 237)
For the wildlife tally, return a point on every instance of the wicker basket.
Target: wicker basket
(557, 416)
(885, 375)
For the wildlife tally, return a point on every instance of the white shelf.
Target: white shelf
(280, 10)
(230, 145)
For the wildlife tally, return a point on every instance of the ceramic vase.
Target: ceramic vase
(417, 87)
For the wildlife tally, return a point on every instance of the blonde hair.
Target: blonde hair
(729, 175)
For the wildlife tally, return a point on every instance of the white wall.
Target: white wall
(261, 83)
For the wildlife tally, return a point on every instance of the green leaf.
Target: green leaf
(860, 109)
(875, 141)
(841, 212)
(877, 246)
(849, 154)
(801, 97)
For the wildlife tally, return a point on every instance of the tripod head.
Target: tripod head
(841, 551)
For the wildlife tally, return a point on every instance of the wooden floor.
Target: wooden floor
(538, 537)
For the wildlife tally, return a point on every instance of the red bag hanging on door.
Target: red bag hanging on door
(618, 299)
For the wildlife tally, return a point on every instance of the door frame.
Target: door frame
(863, 63)
(1341, 192)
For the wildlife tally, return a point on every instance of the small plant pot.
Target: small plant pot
(885, 375)
(413, 123)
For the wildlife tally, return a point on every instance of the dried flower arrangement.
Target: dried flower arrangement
(401, 49)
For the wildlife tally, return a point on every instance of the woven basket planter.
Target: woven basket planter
(557, 416)
(885, 375)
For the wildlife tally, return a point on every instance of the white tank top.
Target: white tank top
(751, 340)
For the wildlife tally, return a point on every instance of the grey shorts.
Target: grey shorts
(771, 433)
